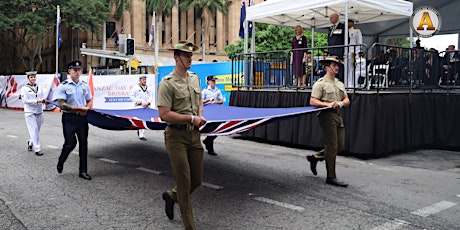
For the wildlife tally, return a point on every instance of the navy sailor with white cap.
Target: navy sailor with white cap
(142, 95)
(32, 97)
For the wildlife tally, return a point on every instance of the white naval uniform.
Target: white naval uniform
(33, 112)
(142, 94)
(356, 38)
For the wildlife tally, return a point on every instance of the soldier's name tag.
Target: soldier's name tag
(337, 31)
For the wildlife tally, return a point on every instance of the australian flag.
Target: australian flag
(242, 18)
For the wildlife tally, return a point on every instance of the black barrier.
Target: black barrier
(381, 67)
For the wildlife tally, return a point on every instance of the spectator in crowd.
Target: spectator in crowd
(356, 38)
(298, 57)
(433, 67)
(310, 66)
(451, 65)
(321, 71)
(336, 38)
(398, 64)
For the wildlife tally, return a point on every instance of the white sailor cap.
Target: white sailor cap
(31, 73)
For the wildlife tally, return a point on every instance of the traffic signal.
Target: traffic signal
(130, 47)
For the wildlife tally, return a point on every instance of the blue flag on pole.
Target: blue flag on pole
(242, 18)
(59, 34)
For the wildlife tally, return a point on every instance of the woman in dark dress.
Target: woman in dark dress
(299, 55)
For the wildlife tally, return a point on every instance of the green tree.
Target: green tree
(23, 30)
(271, 37)
(204, 9)
(164, 6)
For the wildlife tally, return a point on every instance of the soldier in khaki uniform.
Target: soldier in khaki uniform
(330, 92)
(181, 107)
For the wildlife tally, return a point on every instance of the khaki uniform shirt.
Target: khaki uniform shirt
(327, 90)
(180, 95)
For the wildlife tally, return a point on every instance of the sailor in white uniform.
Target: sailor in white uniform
(142, 95)
(32, 97)
(355, 39)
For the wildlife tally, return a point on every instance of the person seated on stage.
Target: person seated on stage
(360, 69)
(398, 64)
(451, 65)
(433, 64)
(310, 64)
(419, 64)
(321, 71)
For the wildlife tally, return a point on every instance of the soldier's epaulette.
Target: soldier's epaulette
(321, 79)
(167, 77)
(191, 73)
(84, 82)
(65, 82)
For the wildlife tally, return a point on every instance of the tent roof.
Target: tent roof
(315, 13)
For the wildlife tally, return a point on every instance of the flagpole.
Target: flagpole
(58, 19)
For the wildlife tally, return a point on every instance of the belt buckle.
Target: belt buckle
(190, 127)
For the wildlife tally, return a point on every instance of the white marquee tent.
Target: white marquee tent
(315, 13)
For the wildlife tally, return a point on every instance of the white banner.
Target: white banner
(110, 91)
(10, 89)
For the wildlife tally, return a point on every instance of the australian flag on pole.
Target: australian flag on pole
(242, 18)
(151, 30)
(59, 34)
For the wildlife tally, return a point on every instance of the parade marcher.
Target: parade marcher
(74, 99)
(356, 38)
(32, 97)
(181, 107)
(142, 95)
(211, 95)
(330, 92)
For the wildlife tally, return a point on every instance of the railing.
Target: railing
(380, 67)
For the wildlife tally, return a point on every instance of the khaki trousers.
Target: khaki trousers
(334, 138)
(186, 155)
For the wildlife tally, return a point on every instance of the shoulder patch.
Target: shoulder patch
(84, 82)
(65, 82)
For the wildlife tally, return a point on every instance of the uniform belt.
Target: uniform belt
(183, 127)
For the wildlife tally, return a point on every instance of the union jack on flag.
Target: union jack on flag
(221, 120)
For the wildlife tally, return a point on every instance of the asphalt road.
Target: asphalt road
(249, 185)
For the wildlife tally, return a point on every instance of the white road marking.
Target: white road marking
(458, 195)
(434, 208)
(108, 160)
(280, 204)
(394, 224)
(75, 152)
(213, 186)
(53, 147)
(149, 170)
(13, 136)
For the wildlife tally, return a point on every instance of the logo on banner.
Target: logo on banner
(426, 21)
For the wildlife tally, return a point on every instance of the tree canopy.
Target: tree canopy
(23, 30)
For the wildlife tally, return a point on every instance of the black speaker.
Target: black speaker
(110, 29)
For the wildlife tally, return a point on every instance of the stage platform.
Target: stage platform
(377, 122)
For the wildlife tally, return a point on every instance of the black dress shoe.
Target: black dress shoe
(336, 182)
(60, 167)
(39, 153)
(29, 146)
(212, 153)
(142, 138)
(169, 205)
(84, 176)
(313, 161)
